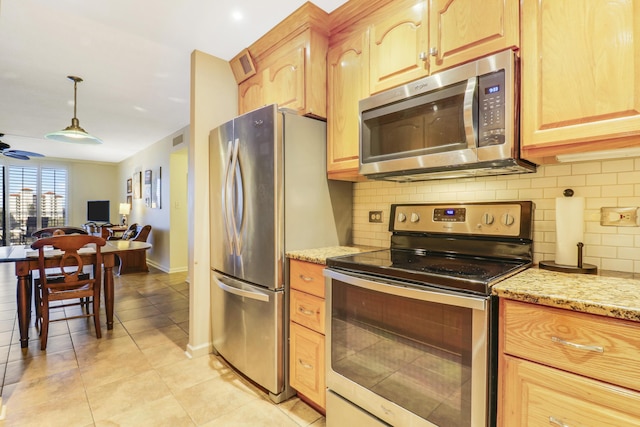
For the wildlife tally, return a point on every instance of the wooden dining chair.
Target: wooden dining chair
(68, 282)
(49, 231)
(56, 231)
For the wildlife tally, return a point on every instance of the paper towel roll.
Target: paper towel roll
(569, 229)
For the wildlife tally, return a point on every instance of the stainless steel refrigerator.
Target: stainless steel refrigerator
(269, 194)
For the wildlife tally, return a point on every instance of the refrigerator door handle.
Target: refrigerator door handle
(226, 212)
(254, 294)
(238, 196)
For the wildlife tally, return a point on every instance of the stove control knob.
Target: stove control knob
(487, 218)
(508, 219)
(415, 217)
(402, 217)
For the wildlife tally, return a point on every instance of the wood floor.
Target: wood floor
(136, 375)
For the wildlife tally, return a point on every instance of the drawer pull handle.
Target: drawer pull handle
(305, 311)
(595, 348)
(305, 365)
(557, 422)
(306, 278)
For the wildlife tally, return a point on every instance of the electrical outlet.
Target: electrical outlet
(375, 216)
(619, 217)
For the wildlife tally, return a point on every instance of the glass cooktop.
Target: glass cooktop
(471, 274)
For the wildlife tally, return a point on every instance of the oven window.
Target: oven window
(421, 128)
(414, 353)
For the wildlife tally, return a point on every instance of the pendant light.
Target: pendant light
(74, 133)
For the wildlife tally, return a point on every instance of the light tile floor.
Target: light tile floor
(136, 375)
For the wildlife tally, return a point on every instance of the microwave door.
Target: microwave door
(436, 128)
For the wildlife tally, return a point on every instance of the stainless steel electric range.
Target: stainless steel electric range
(411, 330)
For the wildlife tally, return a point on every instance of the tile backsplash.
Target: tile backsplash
(601, 183)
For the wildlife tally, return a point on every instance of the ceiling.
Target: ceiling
(134, 58)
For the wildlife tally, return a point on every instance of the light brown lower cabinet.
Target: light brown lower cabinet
(564, 368)
(306, 366)
(537, 395)
(306, 332)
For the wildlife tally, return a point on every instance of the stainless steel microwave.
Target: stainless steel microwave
(460, 122)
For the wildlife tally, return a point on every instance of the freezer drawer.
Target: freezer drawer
(247, 326)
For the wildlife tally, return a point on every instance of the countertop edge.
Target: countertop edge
(320, 255)
(616, 297)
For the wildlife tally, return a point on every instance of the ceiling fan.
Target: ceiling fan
(5, 149)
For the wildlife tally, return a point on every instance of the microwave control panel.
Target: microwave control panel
(491, 109)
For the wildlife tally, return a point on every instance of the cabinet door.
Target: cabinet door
(580, 76)
(306, 364)
(398, 45)
(464, 30)
(284, 80)
(348, 77)
(536, 395)
(250, 94)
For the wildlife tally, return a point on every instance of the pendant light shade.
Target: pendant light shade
(74, 133)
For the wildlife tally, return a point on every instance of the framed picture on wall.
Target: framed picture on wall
(129, 201)
(129, 185)
(147, 188)
(137, 189)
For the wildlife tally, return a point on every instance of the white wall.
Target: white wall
(152, 158)
(214, 100)
(605, 183)
(179, 166)
(91, 181)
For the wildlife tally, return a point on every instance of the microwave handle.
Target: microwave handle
(470, 115)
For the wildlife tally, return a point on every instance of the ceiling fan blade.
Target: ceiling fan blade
(4, 146)
(22, 153)
(14, 155)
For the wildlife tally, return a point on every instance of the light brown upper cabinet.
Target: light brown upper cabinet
(464, 30)
(412, 39)
(347, 83)
(250, 94)
(389, 43)
(580, 76)
(290, 65)
(398, 42)
(283, 76)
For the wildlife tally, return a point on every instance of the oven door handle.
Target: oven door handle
(398, 288)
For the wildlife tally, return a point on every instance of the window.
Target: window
(53, 196)
(37, 199)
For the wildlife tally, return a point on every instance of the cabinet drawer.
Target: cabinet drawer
(306, 364)
(537, 395)
(594, 346)
(307, 277)
(307, 310)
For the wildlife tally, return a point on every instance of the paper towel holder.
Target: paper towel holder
(581, 268)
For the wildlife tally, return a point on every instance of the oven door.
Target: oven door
(409, 356)
(435, 128)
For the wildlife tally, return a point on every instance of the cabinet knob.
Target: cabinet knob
(433, 51)
(424, 56)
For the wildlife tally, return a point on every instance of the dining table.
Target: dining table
(26, 261)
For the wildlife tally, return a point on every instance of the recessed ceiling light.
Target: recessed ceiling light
(237, 15)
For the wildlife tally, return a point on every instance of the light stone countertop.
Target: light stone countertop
(607, 293)
(320, 255)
